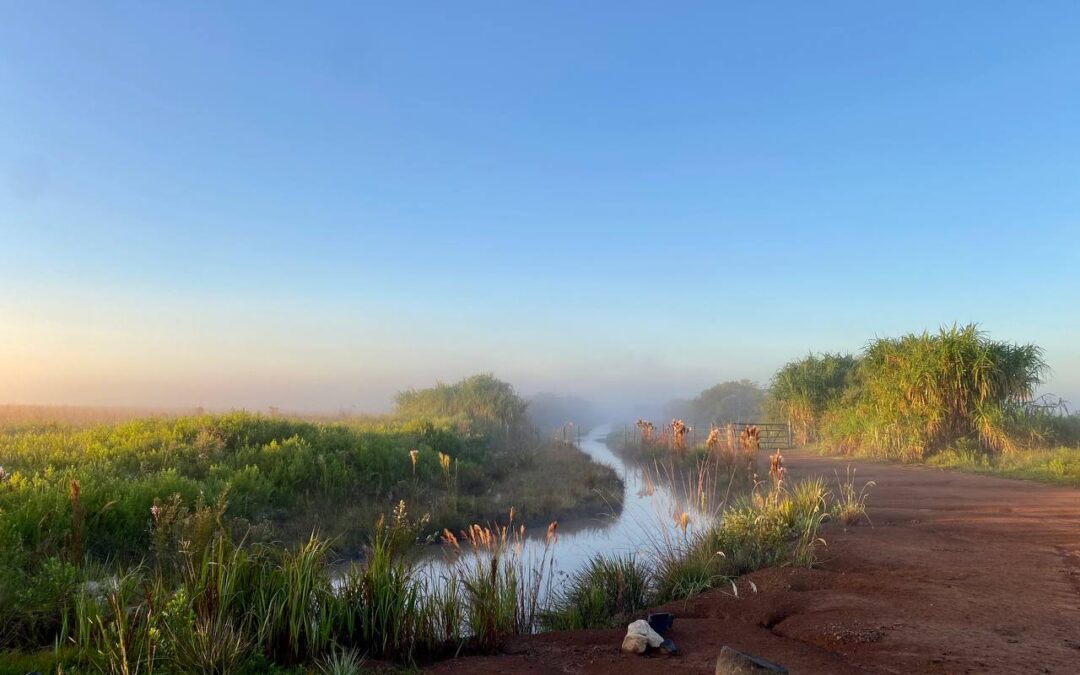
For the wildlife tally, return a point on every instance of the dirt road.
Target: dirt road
(959, 574)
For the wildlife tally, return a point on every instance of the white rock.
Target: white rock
(635, 644)
(642, 628)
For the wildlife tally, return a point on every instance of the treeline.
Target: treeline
(912, 396)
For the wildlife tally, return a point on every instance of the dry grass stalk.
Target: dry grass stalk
(679, 430)
(777, 471)
(750, 437)
(646, 428)
(713, 441)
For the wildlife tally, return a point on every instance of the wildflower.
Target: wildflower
(412, 458)
(683, 521)
(155, 512)
(444, 462)
(3, 474)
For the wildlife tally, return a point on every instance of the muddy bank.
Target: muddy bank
(960, 573)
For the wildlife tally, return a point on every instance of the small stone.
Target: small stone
(734, 662)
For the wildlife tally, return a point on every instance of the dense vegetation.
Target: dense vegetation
(803, 390)
(954, 393)
(478, 404)
(207, 603)
(776, 523)
(157, 544)
(163, 507)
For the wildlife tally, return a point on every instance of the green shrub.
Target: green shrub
(606, 591)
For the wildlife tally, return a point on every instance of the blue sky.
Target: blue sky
(316, 206)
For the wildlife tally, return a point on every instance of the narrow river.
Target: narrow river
(652, 502)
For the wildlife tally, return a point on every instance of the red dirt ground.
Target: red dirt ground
(959, 574)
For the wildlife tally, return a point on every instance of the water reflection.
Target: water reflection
(658, 508)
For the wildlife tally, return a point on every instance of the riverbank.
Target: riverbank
(959, 573)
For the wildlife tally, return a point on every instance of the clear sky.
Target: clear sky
(313, 205)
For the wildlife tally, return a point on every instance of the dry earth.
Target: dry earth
(959, 574)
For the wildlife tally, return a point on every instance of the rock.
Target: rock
(634, 644)
(641, 627)
(639, 637)
(734, 662)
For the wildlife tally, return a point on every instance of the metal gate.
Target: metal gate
(772, 435)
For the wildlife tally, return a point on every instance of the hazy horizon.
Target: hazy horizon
(315, 210)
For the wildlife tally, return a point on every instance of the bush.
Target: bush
(606, 591)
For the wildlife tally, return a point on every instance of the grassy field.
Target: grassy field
(183, 544)
(132, 506)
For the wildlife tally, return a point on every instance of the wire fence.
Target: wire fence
(771, 435)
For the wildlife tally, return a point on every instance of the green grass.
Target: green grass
(1059, 466)
(909, 397)
(286, 477)
(1054, 465)
(606, 592)
(184, 543)
(211, 604)
(770, 527)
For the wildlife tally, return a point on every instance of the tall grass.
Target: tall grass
(215, 605)
(919, 393)
(804, 389)
(849, 506)
(606, 591)
(776, 524)
(912, 396)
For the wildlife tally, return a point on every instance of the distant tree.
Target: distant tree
(480, 401)
(737, 400)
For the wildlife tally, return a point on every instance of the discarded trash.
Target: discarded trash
(734, 662)
(661, 622)
(668, 647)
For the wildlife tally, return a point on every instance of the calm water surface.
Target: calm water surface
(650, 506)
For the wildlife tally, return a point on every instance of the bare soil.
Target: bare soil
(958, 574)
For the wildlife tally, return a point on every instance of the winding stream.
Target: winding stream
(650, 509)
